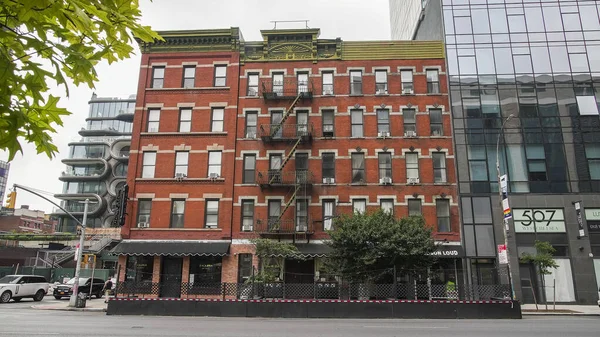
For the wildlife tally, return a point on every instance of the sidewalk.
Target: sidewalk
(561, 310)
(95, 305)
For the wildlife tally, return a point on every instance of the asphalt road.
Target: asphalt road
(18, 319)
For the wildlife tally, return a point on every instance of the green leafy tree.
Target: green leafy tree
(45, 41)
(367, 246)
(543, 260)
(271, 255)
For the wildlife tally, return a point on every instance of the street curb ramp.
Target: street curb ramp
(317, 308)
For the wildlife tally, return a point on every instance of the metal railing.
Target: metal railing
(316, 290)
(287, 88)
(285, 178)
(286, 131)
(283, 226)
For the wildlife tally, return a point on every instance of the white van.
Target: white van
(16, 287)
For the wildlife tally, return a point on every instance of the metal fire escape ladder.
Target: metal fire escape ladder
(288, 112)
(289, 202)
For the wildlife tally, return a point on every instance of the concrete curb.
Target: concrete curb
(560, 314)
(69, 309)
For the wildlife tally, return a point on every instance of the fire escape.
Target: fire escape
(280, 178)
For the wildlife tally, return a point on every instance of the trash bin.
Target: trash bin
(80, 300)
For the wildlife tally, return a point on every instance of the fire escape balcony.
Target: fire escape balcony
(278, 178)
(281, 227)
(286, 132)
(287, 89)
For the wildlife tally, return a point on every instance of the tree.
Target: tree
(367, 246)
(543, 260)
(55, 40)
(271, 254)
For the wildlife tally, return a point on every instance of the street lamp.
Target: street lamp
(505, 220)
(79, 252)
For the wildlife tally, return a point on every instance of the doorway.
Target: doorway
(170, 277)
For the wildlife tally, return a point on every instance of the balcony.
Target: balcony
(273, 227)
(286, 132)
(85, 172)
(277, 178)
(286, 89)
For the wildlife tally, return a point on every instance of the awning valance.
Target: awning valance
(307, 250)
(171, 248)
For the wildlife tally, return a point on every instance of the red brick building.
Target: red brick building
(237, 140)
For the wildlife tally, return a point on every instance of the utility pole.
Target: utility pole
(505, 220)
(79, 253)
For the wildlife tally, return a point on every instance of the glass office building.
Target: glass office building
(97, 164)
(534, 67)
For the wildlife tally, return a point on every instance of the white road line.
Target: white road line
(405, 327)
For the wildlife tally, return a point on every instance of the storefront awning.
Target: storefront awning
(171, 248)
(307, 250)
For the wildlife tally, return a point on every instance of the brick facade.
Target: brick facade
(233, 142)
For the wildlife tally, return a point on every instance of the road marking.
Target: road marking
(20, 333)
(405, 327)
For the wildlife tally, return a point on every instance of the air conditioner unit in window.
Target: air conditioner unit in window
(385, 181)
(328, 92)
(381, 92)
(251, 135)
(327, 130)
(247, 228)
(436, 133)
(213, 175)
(180, 176)
(410, 134)
(329, 181)
(143, 224)
(407, 91)
(301, 228)
(412, 181)
(152, 129)
(252, 92)
(383, 134)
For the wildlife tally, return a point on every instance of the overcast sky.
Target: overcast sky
(348, 19)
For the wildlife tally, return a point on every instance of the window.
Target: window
(139, 269)
(153, 120)
(433, 81)
(328, 165)
(302, 123)
(144, 208)
(177, 213)
(387, 205)
(383, 122)
(435, 122)
(181, 163)
(274, 207)
(328, 83)
(410, 121)
(328, 123)
(385, 165)
(328, 214)
(301, 215)
(357, 123)
(252, 85)
(148, 164)
(358, 168)
(158, 77)
(245, 268)
(214, 163)
(381, 85)
(205, 275)
(443, 215)
(439, 167)
(412, 165)
(355, 82)
(592, 153)
(587, 105)
(359, 205)
(247, 215)
(249, 169)
(536, 163)
(302, 82)
(220, 75)
(185, 120)
(414, 207)
(278, 84)
(216, 124)
(212, 213)
(251, 122)
(406, 76)
(189, 75)
(276, 130)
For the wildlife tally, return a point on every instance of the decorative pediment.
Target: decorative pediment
(290, 51)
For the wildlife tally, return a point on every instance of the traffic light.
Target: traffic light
(11, 200)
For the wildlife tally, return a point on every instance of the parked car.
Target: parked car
(17, 287)
(66, 289)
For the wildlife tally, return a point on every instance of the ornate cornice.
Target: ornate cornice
(195, 40)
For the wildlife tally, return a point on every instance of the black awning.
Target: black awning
(171, 248)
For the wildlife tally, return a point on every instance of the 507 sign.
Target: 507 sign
(540, 220)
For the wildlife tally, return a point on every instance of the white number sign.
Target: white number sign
(540, 220)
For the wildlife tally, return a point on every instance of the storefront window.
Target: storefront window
(205, 274)
(139, 269)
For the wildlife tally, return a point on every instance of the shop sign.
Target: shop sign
(448, 251)
(592, 215)
(539, 220)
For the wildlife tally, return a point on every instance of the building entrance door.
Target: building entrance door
(170, 277)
